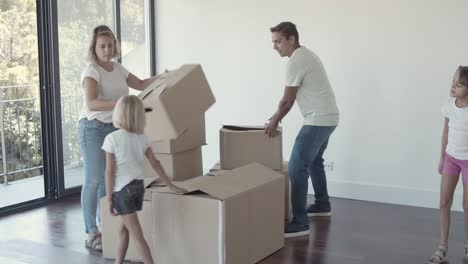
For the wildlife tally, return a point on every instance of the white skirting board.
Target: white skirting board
(390, 194)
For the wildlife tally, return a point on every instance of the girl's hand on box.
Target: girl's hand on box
(111, 208)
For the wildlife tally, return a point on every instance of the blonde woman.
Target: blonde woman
(126, 150)
(104, 81)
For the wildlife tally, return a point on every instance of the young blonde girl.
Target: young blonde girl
(454, 159)
(126, 150)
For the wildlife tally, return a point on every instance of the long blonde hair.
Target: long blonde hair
(129, 114)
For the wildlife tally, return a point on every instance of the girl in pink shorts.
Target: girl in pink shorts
(454, 159)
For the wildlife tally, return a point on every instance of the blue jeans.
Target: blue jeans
(307, 160)
(91, 135)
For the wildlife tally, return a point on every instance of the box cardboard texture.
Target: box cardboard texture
(216, 170)
(241, 145)
(178, 166)
(175, 102)
(222, 219)
(192, 138)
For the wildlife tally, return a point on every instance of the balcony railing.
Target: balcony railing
(21, 136)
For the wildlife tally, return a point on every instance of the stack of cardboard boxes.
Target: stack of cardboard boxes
(175, 107)
(222, 219)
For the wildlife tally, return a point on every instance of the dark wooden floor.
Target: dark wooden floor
(358, 232)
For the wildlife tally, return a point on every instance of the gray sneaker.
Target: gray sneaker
(295, 230)
(314, 210)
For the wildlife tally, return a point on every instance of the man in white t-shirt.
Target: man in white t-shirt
(308, 84)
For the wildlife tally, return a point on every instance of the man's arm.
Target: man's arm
(284, 106)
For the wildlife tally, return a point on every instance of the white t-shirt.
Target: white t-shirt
(129, 150)
(457, 145)
(111, 85)
(315, 96)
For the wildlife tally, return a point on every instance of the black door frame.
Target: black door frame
(50, 97)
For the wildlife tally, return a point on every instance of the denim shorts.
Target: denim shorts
(130, 198)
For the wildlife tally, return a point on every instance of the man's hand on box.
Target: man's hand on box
(271, 127)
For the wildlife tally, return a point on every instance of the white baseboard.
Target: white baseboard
(389, 194)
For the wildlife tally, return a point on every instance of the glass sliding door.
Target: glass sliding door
(76, 20)
(43, 49)
(21, 155)
(135, 42)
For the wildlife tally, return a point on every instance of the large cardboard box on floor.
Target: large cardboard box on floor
(110, 224)
(241, 145)
(222, 220)
(174, 103)
(192, 138)
(178, 166)
(287, 193)
(216, 170)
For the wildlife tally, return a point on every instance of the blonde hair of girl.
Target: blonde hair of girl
(129, 114)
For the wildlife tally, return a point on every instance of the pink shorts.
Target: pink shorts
(453, 166)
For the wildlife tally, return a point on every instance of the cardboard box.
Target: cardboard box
(287, 193)
(178, 166)
(110, 224)
(240, 146)
(176, 102)
(194, 137)
(216, 170)
(223, 220)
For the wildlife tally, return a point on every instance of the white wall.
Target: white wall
(390, 64)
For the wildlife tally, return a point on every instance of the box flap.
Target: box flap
(234, 182)
(245, 128)
(154, 89)
(230, 183)
(184, 185)
(249, 176)
(189, 185)
(216, 172)
(216, 167)
(221, 190)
